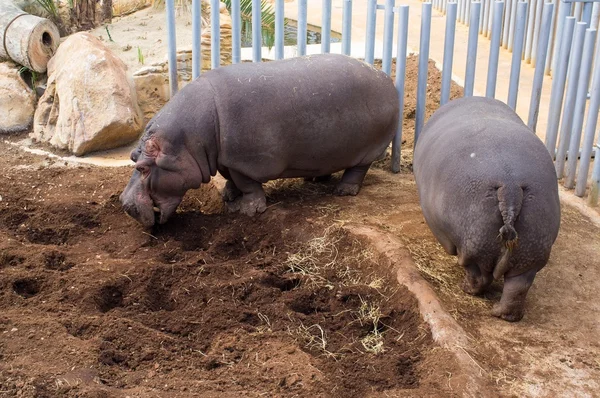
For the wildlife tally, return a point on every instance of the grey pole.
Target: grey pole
(423, 68)
(558, 85)
(506, 29)
(302, 15)
(580, 102)
(326, 27)
(236, 32)
(551, 41)
(536, 30)
(574, 67)
(515, 67)
(370, 34)
(215, 35)
(482, 15)
(196, 34)
(586, 13)
(468, 12)
(472, 48)
(402, 47)
(538, 75)
(448, 52)
(490, 89)
(595, 14)
(595, 187)
(279, 12)
(529, 37)
(563, 12)
(513, 21)
(486, 17)
(346, 27)
(172, 59)
(388, 36)
(256, 31)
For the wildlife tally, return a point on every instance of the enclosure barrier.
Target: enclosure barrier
(562, 33)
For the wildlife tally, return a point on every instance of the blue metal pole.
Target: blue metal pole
(482, 15)
(595, 187)
(595, 14)
(423, 68)
(580, 102)
(370, 34)
(468, 12)
(461, 10)
(586, 14)
(347, 27)
(196, 34)
(513, 21)
(506, 29)
(326, 27)
(302, 15)
(236, 32)
(472, 48)
(256, 31)
(538, 75)
(574, 67)
(215, 35)
(402, 47)
(530, 26)
(490, 19)
(563, 12)
(388, 36)
(515, 67)
(486, 17)
(448, 52)
(490, 89)
(548, 60)
(172, 58)
(590, 128)
(279, 12)
(558, 84)
(536, 30)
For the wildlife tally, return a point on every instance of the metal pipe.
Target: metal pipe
(590, 128)
(301, 37)
(563, 12)
(558, 85)
(569, 106)
(279, 23)
(326, 27)
(462, 11)
(586, 13)
(486, 17)
(490, 89)
(172, 57)
(196, 35)
(538, 75)
(595, 187)
(346, 27)
(506, 28)
(580, 102)
(256, 31)
(388, 36)
(423, 68)
(472, 49)
(513, 20)
(577, 11)
(530, 23)
(490, 18)
(215, 35)
(236, 32)
(595, 15)
(515, 67)
(482, 15)
(552, 42)
(536, 30)
(468, 14)
(448, 52)
(370, 33)
(402, 47)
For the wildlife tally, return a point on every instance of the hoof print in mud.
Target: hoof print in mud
(27, 287)
(108, 298)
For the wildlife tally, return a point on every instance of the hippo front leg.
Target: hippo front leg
(253, 198)
(512, 303)
(352, 180)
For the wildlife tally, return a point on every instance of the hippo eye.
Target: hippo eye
(145, 170)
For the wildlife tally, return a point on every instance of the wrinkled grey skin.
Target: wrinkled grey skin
(302, 117)
(489, 193)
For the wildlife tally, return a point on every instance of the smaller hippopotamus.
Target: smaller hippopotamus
(254, 122)
(489, 194)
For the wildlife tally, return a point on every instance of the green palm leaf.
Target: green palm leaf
(267, 19)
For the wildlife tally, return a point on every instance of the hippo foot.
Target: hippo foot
(248, 205)
(471, 288)
(230, 192)
(346, 189)
(498, 310)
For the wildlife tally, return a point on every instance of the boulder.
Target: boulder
(17, 100)
(90, 102)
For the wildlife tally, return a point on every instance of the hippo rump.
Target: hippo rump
(489, 194)
(254, 122)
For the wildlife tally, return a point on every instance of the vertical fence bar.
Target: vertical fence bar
(347, 27)
(172, 58)
(590, 128)
(256, 31)
(551, 41)
(595, 15)
(558, 85)
(595, 187)
(486, 17)
(302, 15)
(515, 67)
(482, 16)
(513, 21)
(563, 12)
(490, 89)
(215, 35)
(586, 13)
(402, 47)
(423, 67)
(506, 25)
(279, 22)
(472, 48)
(448, 52)
(529, 37)
(577, 12)
(569, 106)
(468, 14)
(326, 27)
(196, 34)
(580, 102)
(236, 32)
(536, 30)
(538, 74)
(491, 18)
(370, 34)
(388, 36)
(462, 12)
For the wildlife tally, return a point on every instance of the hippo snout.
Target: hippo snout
(138, 210)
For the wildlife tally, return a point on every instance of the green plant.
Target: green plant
(29, 76)
(49, 6)
(140, 56)
(267, 19)
(108, 33)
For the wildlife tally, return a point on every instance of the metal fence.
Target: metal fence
(560, 32)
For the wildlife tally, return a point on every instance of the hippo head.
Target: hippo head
(164, 171)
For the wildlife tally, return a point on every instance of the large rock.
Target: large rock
(17, 100)
(90, 103)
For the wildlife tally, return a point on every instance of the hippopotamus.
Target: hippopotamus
(489, 193)
(254, 122)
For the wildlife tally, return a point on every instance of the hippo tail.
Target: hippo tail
(510, 198)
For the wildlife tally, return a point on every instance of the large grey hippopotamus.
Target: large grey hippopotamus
(254, 122)
(489, 193)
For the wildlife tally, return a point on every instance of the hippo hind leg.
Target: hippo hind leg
(253, 198)
(352, 180)
(512, 303)
(476, 280)
(231, 192)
